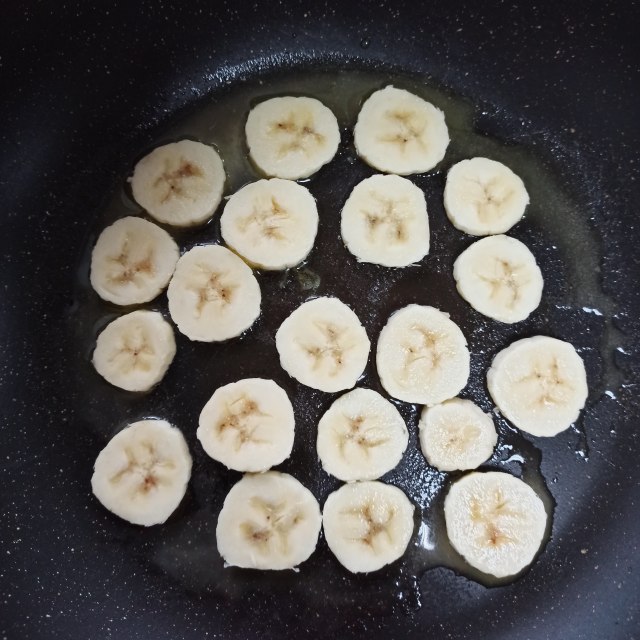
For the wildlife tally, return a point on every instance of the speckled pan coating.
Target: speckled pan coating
(88, 88)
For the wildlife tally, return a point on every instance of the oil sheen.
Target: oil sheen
(554, 228)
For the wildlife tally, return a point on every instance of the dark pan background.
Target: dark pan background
(84, 87)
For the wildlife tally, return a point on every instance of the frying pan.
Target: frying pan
(87, 88)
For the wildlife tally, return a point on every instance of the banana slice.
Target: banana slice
(268, 521)
(539, 384)
(499, 277)
(132, 261)
(323, 345)
(179, 183)
(248, 425)
(495, 521)
(291, 137)
(367, 525)
(271, 223)
(213, 294)
(361, 436)
(384, 221)
(483, 197)
(422, 356)
(142, 473)
(398, 132)
(456, 435)
(134, 351)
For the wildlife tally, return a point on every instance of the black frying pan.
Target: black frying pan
(86, 90)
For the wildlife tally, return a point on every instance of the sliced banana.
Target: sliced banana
(179, 183)
(483, 197)
(142, 473)
(495, 521)
(422, 356)
(135, 350)
(539, 384)
(271, 223)
(248, 425)
(361, 437)
(499, 277)
(132, 261)
(213, 294)
(367, 525)
(398, 132)
(268, 521)
(323, 345)
(456, 435)
(384, 221)
(291, 137)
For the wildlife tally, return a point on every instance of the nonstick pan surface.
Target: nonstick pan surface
(87, 89)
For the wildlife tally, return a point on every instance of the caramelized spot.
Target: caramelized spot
(298, 129)
(278, 522)
(126, 269)
(506, 275)
(358, 433)
(375, 528)
(387, 215)
(551, 387)
(408, 128)
(333, 349)
(270, 221)
(174, 180)
(240, 418)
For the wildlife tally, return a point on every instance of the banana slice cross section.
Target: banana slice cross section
(483, 197)
(268, 521)
(361, 437)
(323, 344)
(495, 521)
(271, 223)
(399, 132)
(143, 472)
(499, 277)
(135, 350)
(539, 384)
(179, 183)
(213, 294)
(290, 137)
(248, 425)
(456, 435)
(132, 261)
(384, 221)
(367, 525)
(422, 356)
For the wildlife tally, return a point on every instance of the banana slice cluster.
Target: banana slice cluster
(269, 520)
